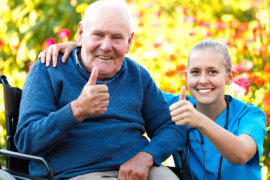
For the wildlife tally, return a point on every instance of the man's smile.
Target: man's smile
(104, 57)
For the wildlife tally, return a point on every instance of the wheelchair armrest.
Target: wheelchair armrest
(29, 157)
(180, 162)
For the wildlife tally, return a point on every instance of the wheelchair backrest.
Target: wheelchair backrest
(12, 99)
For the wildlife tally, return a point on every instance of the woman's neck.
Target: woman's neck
(212, 110)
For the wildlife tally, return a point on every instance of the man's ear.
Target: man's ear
(130, 39)
(80, 34)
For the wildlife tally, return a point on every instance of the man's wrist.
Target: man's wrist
(148, 158)
(76, 112)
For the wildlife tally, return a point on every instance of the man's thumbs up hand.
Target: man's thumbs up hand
(93, 99)
(93, 78)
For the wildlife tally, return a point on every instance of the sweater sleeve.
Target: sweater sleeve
(166, 137)
(41, 124)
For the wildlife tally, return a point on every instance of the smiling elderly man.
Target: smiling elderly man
(87, 117)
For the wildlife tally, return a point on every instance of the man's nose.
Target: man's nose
(106, 44)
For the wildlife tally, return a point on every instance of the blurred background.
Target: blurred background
(165, 31)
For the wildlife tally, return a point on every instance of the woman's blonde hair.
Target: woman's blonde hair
(217, 46)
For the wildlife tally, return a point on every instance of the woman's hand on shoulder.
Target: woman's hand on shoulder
(53, 51)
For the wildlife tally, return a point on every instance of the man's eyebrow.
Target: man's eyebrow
(97, 31)
(117, 34)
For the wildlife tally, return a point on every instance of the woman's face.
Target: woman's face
(207, 76)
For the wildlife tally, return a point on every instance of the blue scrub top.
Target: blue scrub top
(243, 119)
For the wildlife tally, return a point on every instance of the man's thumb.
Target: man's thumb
(93, 78)
(183, 93)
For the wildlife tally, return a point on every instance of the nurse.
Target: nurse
(224, 136)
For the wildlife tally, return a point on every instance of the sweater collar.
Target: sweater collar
(107, 81)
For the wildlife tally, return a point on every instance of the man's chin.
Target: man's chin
(102, 76)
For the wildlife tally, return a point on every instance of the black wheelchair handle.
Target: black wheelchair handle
(4, 80)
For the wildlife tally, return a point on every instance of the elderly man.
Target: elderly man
(87, 117)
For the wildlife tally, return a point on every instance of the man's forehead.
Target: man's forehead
(102, 19)
(109, 10)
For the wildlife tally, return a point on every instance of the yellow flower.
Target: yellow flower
(81, 8)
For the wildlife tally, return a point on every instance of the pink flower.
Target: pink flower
(204, 24)
(1, 43)
(157, 13)
(245, 65)
(30, 64)
(192, 32)
(181, 9)
(228, 43)
(190, 19)
(149, 5)
(48, 42)
(64, 33)
(207, 34)
(220, 25)
(240, 86)
(242, 26)
(157, 44)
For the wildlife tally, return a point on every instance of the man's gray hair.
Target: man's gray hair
(217, 46)
(94, 5)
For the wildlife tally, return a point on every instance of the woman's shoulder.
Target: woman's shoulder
(240, 109)
(241, 105)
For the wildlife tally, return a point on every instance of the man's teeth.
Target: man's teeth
(104, 57)
(204, 90)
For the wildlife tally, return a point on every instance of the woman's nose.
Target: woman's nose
(204, 79)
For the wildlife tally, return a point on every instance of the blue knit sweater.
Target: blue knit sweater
(47, 127)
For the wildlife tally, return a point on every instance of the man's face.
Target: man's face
(105, 41)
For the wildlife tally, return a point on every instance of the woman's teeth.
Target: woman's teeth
(204, 90)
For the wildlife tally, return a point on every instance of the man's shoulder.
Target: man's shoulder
(132, 64)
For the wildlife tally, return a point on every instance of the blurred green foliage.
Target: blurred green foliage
(165, 31)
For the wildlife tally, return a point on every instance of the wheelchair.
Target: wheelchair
(17, 163)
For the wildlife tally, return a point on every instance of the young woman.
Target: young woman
(224, 136)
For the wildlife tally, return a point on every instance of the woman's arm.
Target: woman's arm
(53, 51)
(236, 149)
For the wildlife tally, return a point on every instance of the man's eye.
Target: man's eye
(117, 37)
(98, 35)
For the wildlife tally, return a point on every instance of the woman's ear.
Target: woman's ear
(231, 76)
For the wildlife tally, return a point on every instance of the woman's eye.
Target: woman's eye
(212, 72)
(195, 72)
